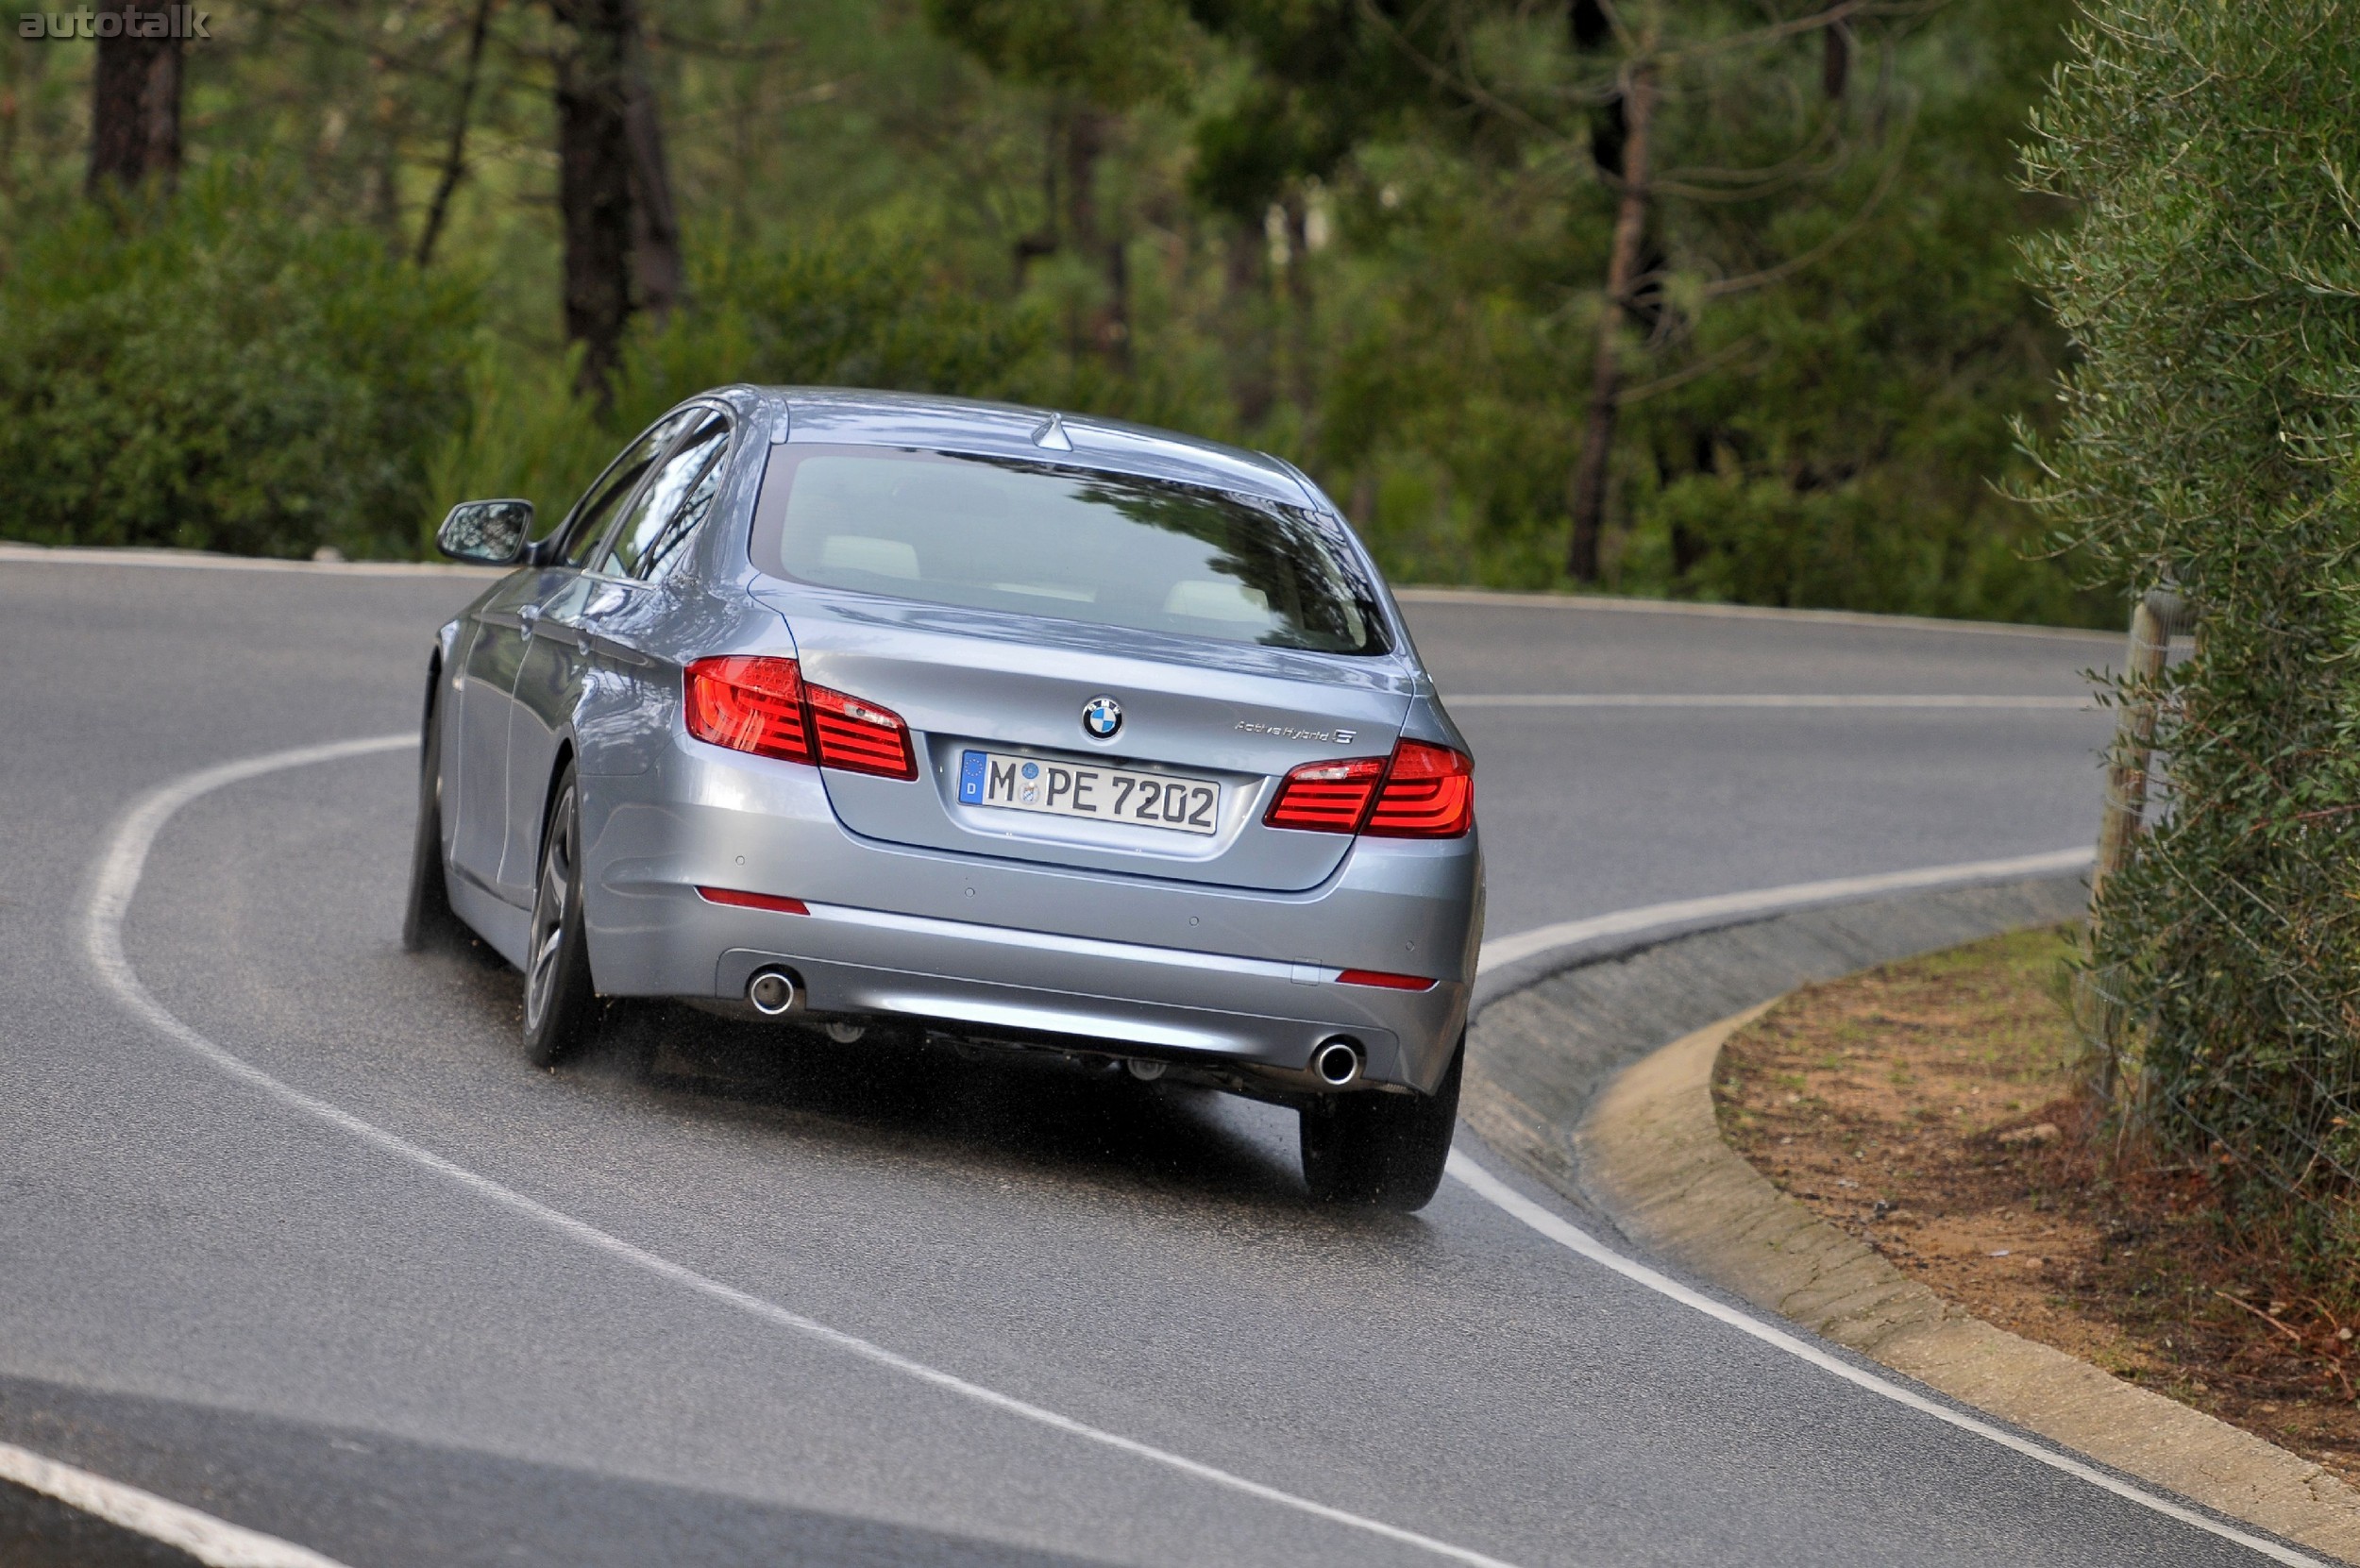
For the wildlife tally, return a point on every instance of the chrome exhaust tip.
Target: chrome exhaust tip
(773, 992)
(1338, 1063)
(1145, 1071)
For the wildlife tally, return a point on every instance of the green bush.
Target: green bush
(1873, 544)
(2212, 441)
(211, 373)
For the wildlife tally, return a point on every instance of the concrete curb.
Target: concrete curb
(1651, 1156)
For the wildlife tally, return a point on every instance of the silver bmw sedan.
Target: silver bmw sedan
(897, 716)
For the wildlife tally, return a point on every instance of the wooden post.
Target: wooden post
(2152, 622)
(2151, 625)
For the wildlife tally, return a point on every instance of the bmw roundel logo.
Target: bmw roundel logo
(1101, 717)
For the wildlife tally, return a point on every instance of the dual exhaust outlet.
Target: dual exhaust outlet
(772, 992)
(1337, 1062)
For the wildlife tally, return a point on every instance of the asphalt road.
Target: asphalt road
(249, 1309)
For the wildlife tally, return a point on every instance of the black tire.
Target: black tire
(560, 1009)
(1384, 1151)
(429, 921)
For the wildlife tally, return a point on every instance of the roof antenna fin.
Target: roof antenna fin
(1053, 436)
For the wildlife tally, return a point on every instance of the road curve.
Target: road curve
(361, 1280)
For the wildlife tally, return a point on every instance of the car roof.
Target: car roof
(855, 417)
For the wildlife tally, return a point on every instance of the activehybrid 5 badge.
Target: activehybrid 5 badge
(1101, 717)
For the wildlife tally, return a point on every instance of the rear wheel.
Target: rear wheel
(429, 922)
(561, 1010)
(1385, 1150)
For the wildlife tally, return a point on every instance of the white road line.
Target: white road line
(117, 881)
(210, 1541)
(1498, 1193)
(74, 555)
(1769, 901)
(1898, 702)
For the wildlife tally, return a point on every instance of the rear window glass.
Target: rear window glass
(1042, 539)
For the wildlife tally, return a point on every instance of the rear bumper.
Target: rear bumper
(1150, 968)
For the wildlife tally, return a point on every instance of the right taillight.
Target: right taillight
(1430, 793)
(1421, 791)
(764, 706)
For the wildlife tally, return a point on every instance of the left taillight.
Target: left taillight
(764, 705)
(750, 704)
(1421, 791)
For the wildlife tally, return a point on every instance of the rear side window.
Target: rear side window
(596, 509)
(1043, 539)
(663, 515)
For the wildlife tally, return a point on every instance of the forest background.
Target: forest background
(1715, 299)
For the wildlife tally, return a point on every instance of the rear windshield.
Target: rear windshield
(1040, 539)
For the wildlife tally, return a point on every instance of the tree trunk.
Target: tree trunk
(1043, 241)
(1588, 490)
(1836, 61)
(135, 104)
(1246, 322)
(455, 160)
(594, 183)
(655, 232)
(1300, 314)
(1087, 131)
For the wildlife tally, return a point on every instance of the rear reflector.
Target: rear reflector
(764, 706)
(1389, 981)
(1429, 794)
(753, 901)
(1327, 797)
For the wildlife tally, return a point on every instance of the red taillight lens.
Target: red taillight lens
(860, 737)
(1327, 797)
(1420, 792)
(1430, 793)
(1389, 981)
(753, 901)
(750, 704)
(764, 706)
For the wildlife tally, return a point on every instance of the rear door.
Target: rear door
(628, 602)
(534, 645)
(478, 762)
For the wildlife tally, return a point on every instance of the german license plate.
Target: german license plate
(1102, 793)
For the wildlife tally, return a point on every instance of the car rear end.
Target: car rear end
(1120, 751)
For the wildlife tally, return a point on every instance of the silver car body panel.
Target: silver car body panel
(1129, 940)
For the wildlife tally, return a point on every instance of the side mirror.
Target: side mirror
(486, 533)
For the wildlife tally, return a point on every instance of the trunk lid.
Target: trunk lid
(973, 681)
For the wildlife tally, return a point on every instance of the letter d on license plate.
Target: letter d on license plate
(1100, 794)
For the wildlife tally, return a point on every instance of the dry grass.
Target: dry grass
(1935, 1110)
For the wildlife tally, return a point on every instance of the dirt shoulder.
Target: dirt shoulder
(1932, 1110)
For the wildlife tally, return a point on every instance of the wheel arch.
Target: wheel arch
(558, 764)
